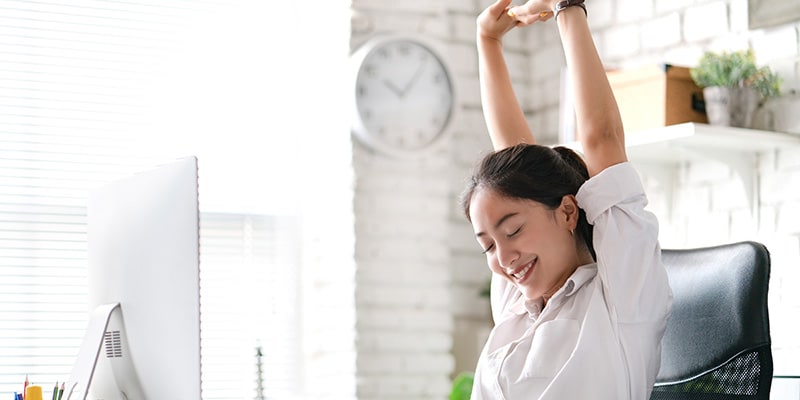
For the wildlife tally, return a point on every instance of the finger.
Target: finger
(510, 12)
(528, 19)
(499, 7)
(529, 10)
(521, 24)
(520, 11)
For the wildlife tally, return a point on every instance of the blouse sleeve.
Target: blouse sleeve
(626, 243)
(502, 296)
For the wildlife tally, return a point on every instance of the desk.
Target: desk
(785, 387)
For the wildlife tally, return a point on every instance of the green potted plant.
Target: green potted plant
(462, 386)
(733, 86)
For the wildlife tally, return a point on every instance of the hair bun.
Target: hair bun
(573, 160)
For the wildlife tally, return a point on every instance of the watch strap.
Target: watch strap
(564, 4)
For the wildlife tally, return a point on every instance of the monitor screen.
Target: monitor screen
(143, 338)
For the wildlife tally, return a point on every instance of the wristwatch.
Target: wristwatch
(561, 5)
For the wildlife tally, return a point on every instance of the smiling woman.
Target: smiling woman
(578, 292)
(530, 203)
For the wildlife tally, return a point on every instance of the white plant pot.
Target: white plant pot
(779, 114)
(731, 106)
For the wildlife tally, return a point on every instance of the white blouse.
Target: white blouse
(599, 336)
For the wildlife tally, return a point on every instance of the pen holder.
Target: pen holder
(33, 392)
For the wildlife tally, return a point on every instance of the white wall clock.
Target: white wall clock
(404, 97)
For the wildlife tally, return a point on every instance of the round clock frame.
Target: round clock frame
(403, 95)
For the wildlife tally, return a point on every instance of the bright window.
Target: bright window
(91, 91)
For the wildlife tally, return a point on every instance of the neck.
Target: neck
(582, 257)
(547, 295)
(582, 254)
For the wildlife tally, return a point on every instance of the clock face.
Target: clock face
(404, 96)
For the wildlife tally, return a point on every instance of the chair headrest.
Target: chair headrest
(719, 307)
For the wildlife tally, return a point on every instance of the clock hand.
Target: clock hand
(393, 88)
(413, 79)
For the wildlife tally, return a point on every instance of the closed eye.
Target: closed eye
(512, 234)
(488, 249)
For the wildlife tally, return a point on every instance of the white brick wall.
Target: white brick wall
(602, 13)
(777, 44)
(633, 10)
(661, 32)
(621, 41)
(663, 6)
(403, 207)
(403, 311)
(705, 21)
(738, 15)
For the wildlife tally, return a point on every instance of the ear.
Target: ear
(569, 211)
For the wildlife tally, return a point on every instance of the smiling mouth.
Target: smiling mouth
(521, 273)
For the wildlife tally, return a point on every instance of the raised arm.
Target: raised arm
(501, 110)
(598, 123)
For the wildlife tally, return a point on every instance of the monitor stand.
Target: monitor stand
(105, 327)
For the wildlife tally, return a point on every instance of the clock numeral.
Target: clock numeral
(369, 70)
(404, 49)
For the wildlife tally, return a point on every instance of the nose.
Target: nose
(506, 255)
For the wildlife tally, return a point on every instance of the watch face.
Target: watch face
(404, 97)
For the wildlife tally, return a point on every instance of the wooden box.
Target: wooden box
(656, 96)
(648, 97)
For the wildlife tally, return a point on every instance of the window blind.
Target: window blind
(249, 299)
(75, 106)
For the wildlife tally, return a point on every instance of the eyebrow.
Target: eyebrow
(499, 222)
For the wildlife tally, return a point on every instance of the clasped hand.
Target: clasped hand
(501, 17)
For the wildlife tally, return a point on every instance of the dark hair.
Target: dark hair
(534, 172)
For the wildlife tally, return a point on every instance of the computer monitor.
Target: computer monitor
(143, 337)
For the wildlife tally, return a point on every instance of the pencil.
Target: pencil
(55, 391)
(61, 391)
(25, 386)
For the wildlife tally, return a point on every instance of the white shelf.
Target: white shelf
(738, 148)
(692, 142)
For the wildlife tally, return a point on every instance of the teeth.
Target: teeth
(522, 273)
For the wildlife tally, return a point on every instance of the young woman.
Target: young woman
(580, 298)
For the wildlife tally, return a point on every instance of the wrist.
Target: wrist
(484, 39)
(565, 5)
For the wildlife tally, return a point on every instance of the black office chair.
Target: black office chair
(717, 343)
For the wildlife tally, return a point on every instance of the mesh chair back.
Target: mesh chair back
(717, 342)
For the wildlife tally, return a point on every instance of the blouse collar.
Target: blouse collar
(578, 279)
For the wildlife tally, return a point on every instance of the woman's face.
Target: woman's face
(524, 241)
